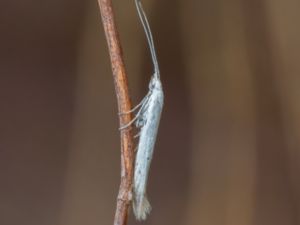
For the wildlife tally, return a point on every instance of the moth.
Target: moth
(147, 121)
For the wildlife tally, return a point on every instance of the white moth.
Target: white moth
(147, 120)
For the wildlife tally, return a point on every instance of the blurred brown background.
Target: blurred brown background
(228, 144)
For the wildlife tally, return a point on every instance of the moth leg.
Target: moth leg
(135, 118)
(130, 123)
(140, 122)
(137, 106)
(137, 135)
(138, 115)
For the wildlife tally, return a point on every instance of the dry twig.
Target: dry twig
(124, 105)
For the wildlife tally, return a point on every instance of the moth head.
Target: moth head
(155, 83)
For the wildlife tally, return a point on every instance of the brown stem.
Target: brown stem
(124, 105)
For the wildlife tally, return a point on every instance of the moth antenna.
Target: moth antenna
(149, 36)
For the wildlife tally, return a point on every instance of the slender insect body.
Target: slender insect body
(151, 117)
(147, 120)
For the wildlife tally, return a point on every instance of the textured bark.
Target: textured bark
(124, 105)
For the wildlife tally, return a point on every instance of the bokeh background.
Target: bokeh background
(228, 145)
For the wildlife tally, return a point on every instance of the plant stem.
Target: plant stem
(124, 105)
